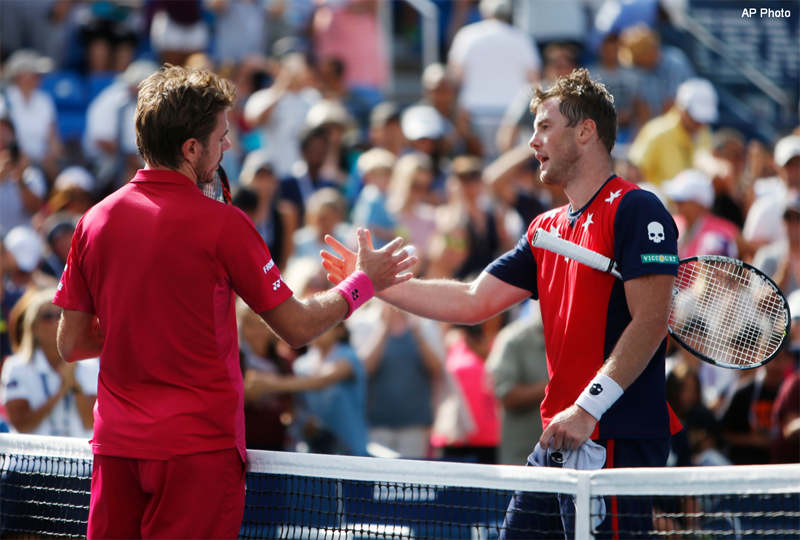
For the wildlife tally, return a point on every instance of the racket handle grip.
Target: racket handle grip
(545, 240)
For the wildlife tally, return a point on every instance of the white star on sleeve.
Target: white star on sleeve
(613, 195)
(587, 222)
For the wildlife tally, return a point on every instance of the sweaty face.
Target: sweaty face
(554, 144)
(208, 162)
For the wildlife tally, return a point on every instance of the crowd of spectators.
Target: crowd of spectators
(320, 148)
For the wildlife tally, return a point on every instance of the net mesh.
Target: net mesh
(727, 313)
(45, 484)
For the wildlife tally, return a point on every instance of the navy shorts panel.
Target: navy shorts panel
(540, 516)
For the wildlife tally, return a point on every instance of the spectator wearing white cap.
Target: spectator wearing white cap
(371, 211)
(492, 61)
(72, 191)
(780, 260)
(332, 117)
(424, 129)
(765, 223)
(20, 257)
(439, 90)
(700, 232)
(32, 111)
(669, 144)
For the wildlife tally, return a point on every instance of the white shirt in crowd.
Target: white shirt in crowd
(496, 60)
(285, 123)
(32, 120)
(103, 120)
(764, 222)
(36, 381)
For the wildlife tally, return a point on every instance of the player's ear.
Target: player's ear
(586, 130)
(191, 149)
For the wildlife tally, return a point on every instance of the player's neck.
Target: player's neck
(589, 176)
(185, 169)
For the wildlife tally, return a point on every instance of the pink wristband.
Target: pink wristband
(356, 289)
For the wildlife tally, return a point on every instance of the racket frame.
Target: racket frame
(548, 241)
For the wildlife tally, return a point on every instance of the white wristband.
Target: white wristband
(599, 396)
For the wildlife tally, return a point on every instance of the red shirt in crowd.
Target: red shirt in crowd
(787, 406)
(159, 263)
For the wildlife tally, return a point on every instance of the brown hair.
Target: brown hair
(176, 104)
(582, 98)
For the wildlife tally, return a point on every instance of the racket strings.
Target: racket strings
(213, 189)
(727, 313)
(218, 188)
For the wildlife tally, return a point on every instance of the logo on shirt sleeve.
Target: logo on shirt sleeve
(655, 232)
(276, 285)
(660, 258)
(269, 266)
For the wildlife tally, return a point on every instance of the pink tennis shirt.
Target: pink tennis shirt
(159, 263)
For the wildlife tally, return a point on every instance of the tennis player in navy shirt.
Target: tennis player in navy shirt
(605, 338)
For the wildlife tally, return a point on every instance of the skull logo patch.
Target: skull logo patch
(655, 232)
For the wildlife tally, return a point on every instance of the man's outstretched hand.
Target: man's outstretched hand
(383, 266)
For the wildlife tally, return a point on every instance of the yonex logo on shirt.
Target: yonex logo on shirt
(660, 258)
(276, 285)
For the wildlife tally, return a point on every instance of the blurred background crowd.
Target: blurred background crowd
(409, 118)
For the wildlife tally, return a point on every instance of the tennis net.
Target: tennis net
(45, 483)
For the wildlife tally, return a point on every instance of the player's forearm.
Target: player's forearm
(635, 348)
(79, 336)
(298, 322)
(438, 299)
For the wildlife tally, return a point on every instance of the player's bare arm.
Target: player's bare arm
(438, 299)
(298, 322)
(79, 335)
(649, 299)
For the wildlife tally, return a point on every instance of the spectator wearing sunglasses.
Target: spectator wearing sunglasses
(43, 394)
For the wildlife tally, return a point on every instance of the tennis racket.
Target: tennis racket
(724, 311)
(219, 189)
